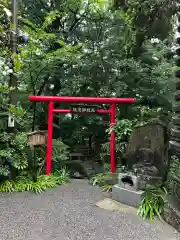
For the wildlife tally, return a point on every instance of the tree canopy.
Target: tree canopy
(88, 48)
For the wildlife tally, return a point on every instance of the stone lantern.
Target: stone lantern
(37, 138)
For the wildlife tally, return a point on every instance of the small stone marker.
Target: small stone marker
(147, 150)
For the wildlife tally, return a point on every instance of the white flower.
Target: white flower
(1, 63)
(6, 68)
(4, 73)
(10, 71)
(86, 50)
(81, 11)
(51, 86)
(69, 115)
(38, 52)
(173, 48)
(8, 12)
(155, 40)
(155, 58)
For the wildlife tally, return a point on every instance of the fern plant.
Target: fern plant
(23, 183)
(13, 152)
(60, 154)
(100, 179)
(123, 130)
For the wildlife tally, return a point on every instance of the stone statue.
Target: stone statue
(145, 165)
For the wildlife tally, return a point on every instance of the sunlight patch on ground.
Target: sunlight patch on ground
(109, 204)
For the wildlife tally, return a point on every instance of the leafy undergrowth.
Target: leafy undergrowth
(104, 180)
(107, 179)
(42, 184)
(100, 179)
(153, 203)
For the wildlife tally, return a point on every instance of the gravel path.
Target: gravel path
(69, 213)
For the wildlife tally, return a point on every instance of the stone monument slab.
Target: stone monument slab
(147, 152)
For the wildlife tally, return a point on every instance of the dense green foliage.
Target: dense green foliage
(88, 53)
(82, 48)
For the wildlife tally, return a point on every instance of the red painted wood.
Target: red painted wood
(80, 99)
(49, 139)
(113, 139)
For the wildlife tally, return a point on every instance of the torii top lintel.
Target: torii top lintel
(66, 99)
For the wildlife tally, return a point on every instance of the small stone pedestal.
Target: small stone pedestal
(127, 191)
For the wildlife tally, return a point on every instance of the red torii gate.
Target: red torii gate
(89, 100)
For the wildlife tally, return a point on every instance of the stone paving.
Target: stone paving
(69, 212)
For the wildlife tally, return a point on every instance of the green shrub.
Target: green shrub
(99, 179)
(153, 202)
(14, 148)
(42, 184)
(7, 186)
(60, 154)
(123, 130)
(107, 179)
(103, 179)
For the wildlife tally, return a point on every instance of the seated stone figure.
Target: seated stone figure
(145, 165)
